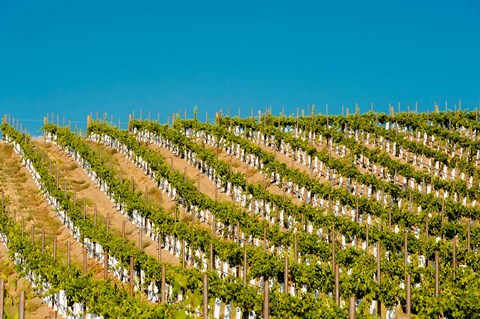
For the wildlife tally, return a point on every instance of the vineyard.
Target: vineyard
(317, 216)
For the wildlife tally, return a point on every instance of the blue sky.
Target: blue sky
(73, 58)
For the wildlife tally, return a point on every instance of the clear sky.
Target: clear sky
(77, 57)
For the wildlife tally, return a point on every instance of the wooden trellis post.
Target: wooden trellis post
(333, 246)
(159, 246)
(337, 285)
(2, 293)
(406, 249)
(162, 292)
(205, 296)
(409, 295)
(105, 265)
(266, 301)
(212, 263)
(21, 306)
(454, 248)
(352, 307)
(437, 273)
(379, 304)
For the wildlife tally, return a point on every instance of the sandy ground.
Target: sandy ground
(127, 169)
(87, 191)
(25, 201)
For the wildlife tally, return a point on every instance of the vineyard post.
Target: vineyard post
(409, 295)
(454, 257)
(406, 249)
(131, 276)
(21, 306)
(105, 264)
(162, 287)
(437, 273)
(159, 245)
(238, 233)
(211, 256)
(214, 226)
(443, 210)
(2, 293)
(285, 275)
(337, 285)
(352, 307)
(379, 304)
(205, 296)
(333, 245)
(266, 301)
(389, 219)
